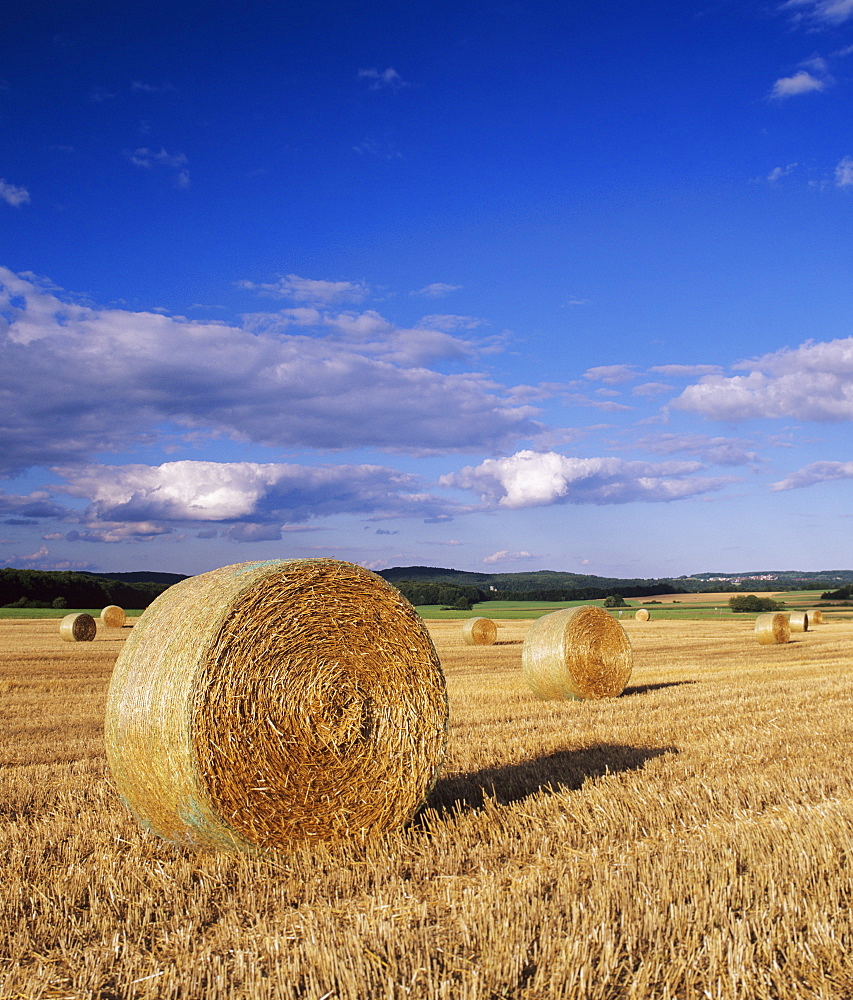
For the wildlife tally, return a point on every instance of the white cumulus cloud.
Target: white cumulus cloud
(535, 479)
(801, 82)
(811, 382)
(250, 493)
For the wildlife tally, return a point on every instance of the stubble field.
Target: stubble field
(692, 838)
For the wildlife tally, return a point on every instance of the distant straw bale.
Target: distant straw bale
(643, 615)
(113, 616)
(479, 632)
(270, 703)
(78, 627)
(815, 617)
(772, 627)
(580, 652)
(799, 621)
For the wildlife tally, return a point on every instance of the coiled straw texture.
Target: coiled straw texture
(579, 652)
(772, 628)
(265, 704)
(78, 627)
(815, 617)
(799, 621)
(643, 615)
(113, 616)
(479, 632)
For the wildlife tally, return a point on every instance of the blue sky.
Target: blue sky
(500, 287)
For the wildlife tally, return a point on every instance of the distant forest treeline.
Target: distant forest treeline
(420, 584)
(31, 588)
(445, 586)
(421, 592)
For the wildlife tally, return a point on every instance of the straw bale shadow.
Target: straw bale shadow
(645, 688)
(559, 771)
(508, 642)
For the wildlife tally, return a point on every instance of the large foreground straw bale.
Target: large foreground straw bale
(113, 616)
(579, 652)
(479, 632)
(772, 628)
(799, 621)
(78, 627)
(263, 704)
(643, 615)
(815, 617)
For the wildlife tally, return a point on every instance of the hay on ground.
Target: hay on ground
(772, 627)
(78, 627)
(580, 652)
(113, 616)
(643, 615)
(270, 703)
(479, 632)
(815, 617)
(799, 621)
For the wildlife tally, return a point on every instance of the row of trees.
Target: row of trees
(421, 592)
(30, 588)
(751, 603)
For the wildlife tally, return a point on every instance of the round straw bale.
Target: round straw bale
(799, 621)
(479, 632)
(268, 703)
(113, 616)
(772, 627)
(580, 652)
(78, 628)
(643, 615)
(815, 617)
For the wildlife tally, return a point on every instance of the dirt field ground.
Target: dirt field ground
(692, 838)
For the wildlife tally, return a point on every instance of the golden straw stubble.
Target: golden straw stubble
(264, 704)
(772, 628)
(580, 652)
(78, 627)
(479, 632)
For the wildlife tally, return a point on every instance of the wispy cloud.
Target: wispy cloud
(610, 374)
(310, 291)
(711, 450)
(844, 172)
(536, 479)
(817, 472)
(141, 87)
(831, 12)
(777, 173)
(151, 158)
(386, 79)
(12, 194)
(437, 290)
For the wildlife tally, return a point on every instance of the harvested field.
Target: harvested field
(691, 838)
